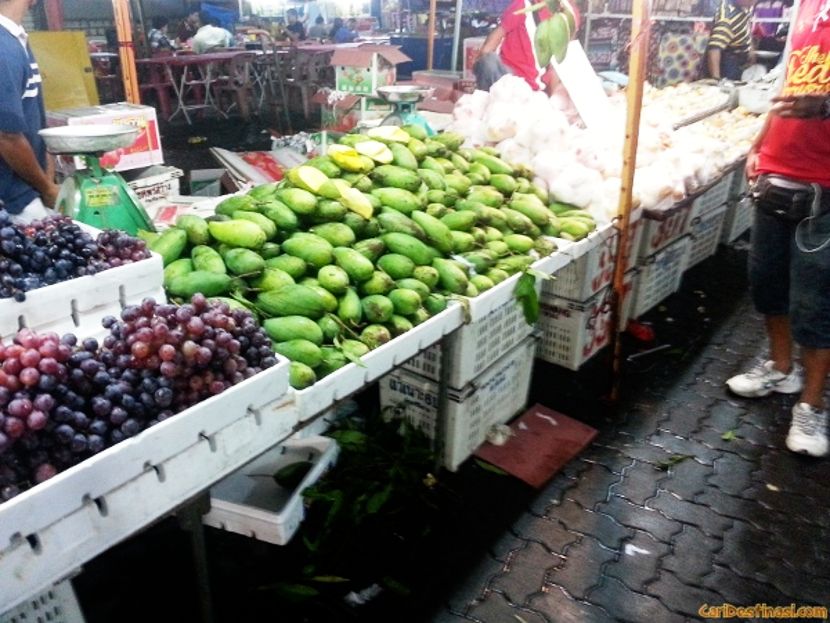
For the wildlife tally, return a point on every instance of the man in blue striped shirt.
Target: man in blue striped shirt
(27, 185)
(731, 40)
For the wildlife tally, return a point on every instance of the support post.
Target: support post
(431, 34)
(456, 35)
(126, 50)
(640, 24)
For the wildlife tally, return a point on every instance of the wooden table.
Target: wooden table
(191, 73)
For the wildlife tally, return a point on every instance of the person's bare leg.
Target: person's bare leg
(816, 368)
(780, 342)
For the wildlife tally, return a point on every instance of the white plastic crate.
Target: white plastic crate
(157, 184)
(660, 233)
(737, 220)
(52, 528)
(715, 196)
(705, 235)
(56, 604)
(494, 397)
(475, 346)
(660, 275)
(574, 331)
(738, 186)
(249, 502)
(79, 304)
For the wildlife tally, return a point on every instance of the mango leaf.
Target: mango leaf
(728, 435)
(673, 460)
(538, 274)
(290, 476)
(490, 468)
(377, 501)
(527, 297)
(350, 438)
(329, 579)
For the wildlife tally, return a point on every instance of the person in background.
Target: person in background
(789, 260)
(295, 26)
(312, 9)
(730, 44)
(319, 30)
(27, 186)
(190, 26)
(157, 37)
(508, 49)
(346, 33)
(211, 36)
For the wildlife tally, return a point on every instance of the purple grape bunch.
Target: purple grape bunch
(63, 399)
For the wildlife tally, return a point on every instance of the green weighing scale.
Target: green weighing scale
(94, 195)
(404, 100)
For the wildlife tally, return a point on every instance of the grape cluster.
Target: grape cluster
(63, 400)
(55, 249)
(116, 248)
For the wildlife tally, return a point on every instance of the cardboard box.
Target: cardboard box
(361, 70)
(144, 152)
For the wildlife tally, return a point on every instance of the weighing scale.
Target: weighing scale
(95, 195)
(404, 99)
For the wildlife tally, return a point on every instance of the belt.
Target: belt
(792, 198)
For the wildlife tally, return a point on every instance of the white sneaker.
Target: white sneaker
(765, 379)
(808, 430)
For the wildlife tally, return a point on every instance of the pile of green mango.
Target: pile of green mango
(358, 246)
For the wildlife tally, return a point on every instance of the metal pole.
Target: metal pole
(636, 77)
(431, 33)
(456, 35)
(126, 50)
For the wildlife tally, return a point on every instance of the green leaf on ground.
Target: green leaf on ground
(728, 435)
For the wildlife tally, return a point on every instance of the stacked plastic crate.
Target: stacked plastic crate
(739, 208)
(576, 304)
(708, 215)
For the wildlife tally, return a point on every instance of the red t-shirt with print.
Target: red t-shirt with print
(800, 148)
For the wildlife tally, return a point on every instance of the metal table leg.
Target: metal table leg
(190, 519)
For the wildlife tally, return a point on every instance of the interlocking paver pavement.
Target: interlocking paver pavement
(687, 497)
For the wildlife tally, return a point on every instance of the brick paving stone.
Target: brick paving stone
(553, 493)
(732, 474)
(748, 552)
(605, 529)
(638, 561)
(692, 554)
(704, 518)
(800, 586)
(595, 485)
(582, 568)
(629, 606)
(548, 531)
(680, 420)
(508, 542)
(792, 473)
(737, 445)
(474, 584)
(798, 507)
(497, 609)
(640, 482)
(687, 478)
(641, 518)
(611, 459)
(525, 572)
(679, 597)
(565, 609)
(724, 416)
(641, 451)
(745, 508)
(764, 437)
(445, 616)
(675, 445)
(739, 590)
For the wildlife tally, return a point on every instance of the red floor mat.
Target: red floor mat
(542, 443)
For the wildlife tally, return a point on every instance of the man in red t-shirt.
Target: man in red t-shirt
(517, 55)
(790, 256)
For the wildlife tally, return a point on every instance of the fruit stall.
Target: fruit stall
(437, 265)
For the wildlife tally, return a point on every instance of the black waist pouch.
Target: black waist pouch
(785, 203)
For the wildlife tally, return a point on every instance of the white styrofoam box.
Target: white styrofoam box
(475, 346)
(80, 303)
(716, 195)
(249, 502)
(738, 219)
(659, 233)
(65, 521)
(57, 604)
(587, 274)
(352, 377)
(156, 184)
(660, 275)
(705, 234)
(574, 331)
(497, 395)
